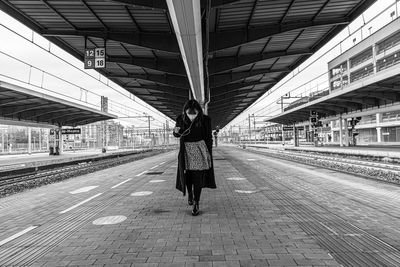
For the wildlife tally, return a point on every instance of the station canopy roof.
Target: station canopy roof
(363, 98)
(371, 84)
(248, 45)
(19, 105)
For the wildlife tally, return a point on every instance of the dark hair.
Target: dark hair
(192, 105)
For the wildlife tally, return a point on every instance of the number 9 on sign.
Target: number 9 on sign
(89, 63)
(100, 63)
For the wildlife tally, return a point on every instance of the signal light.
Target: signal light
(313, 120)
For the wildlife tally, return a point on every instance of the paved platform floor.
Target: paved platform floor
(265, 212)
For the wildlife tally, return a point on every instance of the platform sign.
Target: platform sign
(71, 131)
(67, 131)
(95, 58)
(287, 128)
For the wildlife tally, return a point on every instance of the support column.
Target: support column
(40, 139)
(249, 129)
(374, 57)
(167, 126)
(379, 134)
(331, 123)
(48, 140)
(346, 132)
(56, 134)
(2, 141)
(340, 130)
(240, 136)
(60, 141)
(283, 136)
(378, 127)
(295, 135)
(148, 118)
(29, 140)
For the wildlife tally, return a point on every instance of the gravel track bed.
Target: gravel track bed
(354, 167)
(39, 178)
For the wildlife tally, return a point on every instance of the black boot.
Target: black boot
(190, 198)
(196, 209)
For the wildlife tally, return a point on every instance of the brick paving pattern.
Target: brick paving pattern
(252, 227)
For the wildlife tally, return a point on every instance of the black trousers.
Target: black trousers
(194, 184)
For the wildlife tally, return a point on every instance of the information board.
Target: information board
(67, 131)
(71, 131)
(95, 58)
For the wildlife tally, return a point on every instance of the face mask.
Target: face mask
(192, 116)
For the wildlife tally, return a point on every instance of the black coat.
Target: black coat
(206, 135)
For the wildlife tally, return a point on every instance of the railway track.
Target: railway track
(13, 181)
(370, 169)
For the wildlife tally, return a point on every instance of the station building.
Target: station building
(364, 82)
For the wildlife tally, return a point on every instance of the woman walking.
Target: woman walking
(195, 164)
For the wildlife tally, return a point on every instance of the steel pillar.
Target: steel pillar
(29, 140)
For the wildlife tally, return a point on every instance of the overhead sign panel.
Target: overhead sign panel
(95, 58)
(67, 131)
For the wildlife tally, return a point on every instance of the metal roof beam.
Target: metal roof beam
(232, 38)
(326, 107)
(160, 88)
(229, 106)
(42, 114)
(173, 66)
(94, 14)
(156, 4)
(171, 103)
(252, 13)
(287, 11)
(221, 3)
(232, 98)
(221, 79)
(366, 101)
(59, 14)
(77, 120)
(133, 19)
(228, 63)
(346, 106)
(186, 20)
(162, 95)
(168, 79)
(30, 108)
(63, 115)
(143, 39)
(13, 102)
(391, 96)
(236, 86)
(247, 91)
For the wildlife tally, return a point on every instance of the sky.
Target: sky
(30, 58)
